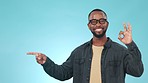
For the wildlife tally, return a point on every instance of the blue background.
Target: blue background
(55, 28)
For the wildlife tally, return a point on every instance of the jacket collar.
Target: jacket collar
(107, 44)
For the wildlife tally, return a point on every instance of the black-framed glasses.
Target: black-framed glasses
(95, 21)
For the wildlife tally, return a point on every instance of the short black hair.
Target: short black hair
(97, 10)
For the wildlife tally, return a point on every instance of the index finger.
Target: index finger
(33, 53)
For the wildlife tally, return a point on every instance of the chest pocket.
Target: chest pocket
(79, 65)
(114, 68)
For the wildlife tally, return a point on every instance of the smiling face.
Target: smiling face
(98, 24)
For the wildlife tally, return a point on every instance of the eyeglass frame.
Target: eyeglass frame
(102, 19)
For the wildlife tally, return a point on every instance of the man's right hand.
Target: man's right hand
(40, 58)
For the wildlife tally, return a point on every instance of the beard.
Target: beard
(99, 35)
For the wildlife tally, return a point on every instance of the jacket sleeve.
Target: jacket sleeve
(132, 61)
(60, 72)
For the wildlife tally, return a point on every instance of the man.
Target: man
(99, 60)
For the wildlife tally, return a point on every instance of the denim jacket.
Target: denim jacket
(116, 62)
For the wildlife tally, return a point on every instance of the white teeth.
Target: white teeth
(98, 29)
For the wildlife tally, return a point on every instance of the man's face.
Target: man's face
(98, 24)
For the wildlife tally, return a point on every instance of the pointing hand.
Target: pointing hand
(40, 58)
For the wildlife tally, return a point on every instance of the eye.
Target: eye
(102, 21)
(93, 21)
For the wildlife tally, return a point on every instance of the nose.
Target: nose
(98, 24)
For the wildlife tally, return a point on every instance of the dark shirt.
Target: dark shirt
(116, 62)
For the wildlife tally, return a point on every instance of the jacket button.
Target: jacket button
(87, 78)
(89, 59)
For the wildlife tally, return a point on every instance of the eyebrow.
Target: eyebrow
(98, 19)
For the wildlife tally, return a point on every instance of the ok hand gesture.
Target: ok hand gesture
(126, 35)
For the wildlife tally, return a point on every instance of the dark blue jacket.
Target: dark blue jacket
(116, 62)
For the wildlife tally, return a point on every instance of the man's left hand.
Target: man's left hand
(126, 35)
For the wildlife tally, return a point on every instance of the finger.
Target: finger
(40, 56)
(40, 60)
(125, 27)
(129, 27)
(121, 35)
(33, 53)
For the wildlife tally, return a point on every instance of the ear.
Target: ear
(107, 24)
(88, 25)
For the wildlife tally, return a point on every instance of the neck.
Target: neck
(99, 41)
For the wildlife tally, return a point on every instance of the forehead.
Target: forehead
(97, 15)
